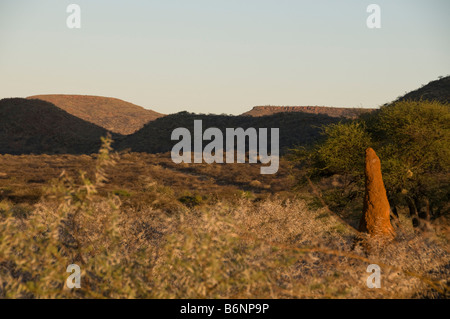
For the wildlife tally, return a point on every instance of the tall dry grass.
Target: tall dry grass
(233, 249)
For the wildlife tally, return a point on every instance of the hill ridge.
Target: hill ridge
(437, 90)
(258, 111)
(33, 126)
(111, 113)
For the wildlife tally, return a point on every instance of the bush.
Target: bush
(191, 201)
(343, 150)
(412, 139)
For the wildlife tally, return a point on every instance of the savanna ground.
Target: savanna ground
(140, 226)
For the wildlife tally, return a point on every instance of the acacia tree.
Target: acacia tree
(340, 152)
(412, 139)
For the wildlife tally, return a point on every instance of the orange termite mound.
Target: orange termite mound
(375, 219)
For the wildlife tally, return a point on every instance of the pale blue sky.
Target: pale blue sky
(224, 56)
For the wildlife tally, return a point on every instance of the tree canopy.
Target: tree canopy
(412, 139)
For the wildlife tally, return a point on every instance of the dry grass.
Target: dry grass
(129, 247)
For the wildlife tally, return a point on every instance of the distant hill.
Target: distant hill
(297, 128)
(438, 90)
(55, 124)
(112, 114)
(35, 126)
(330, 111)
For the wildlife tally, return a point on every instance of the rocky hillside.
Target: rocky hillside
(438, 90)
(295, 129)
(330, 111)
(112, 114)
(35, 126)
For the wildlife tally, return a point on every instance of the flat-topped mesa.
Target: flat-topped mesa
(375, 219)
(326, 110)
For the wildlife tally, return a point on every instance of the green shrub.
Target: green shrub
(412, 139)
(122, 193)
(191, 200)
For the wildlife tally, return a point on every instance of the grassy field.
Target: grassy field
(140, 226)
